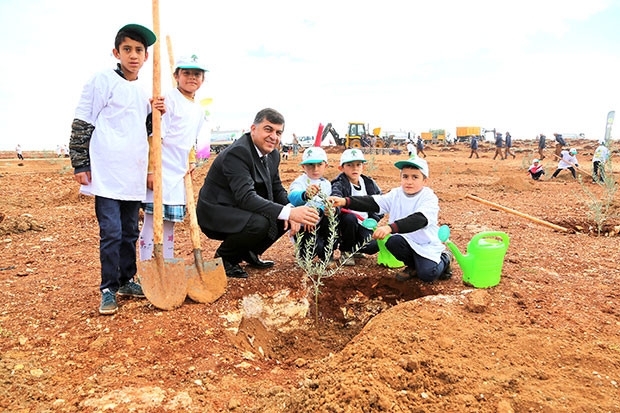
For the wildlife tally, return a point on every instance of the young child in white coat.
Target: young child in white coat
(183, 120)
(568, 160)
(109, 153)
(536, 170)
(413, 210)
(305, 191)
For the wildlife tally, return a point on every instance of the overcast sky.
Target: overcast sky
(527, 67)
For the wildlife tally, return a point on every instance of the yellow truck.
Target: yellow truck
(463, 133)
(434, 136)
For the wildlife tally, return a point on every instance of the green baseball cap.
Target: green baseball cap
(415, 162)
(148, 36)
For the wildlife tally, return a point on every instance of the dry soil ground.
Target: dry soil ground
(546, 339)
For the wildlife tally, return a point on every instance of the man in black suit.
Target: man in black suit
(242, 201)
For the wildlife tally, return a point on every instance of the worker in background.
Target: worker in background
(473, 144)
(559, 144)
(420, 147)
(508, 145)
(499, 143)
(542, 142)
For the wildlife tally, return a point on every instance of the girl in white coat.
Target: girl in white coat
(183, 120)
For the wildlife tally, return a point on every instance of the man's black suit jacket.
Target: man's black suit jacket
(237, 186)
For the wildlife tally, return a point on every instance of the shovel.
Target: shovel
(206, 281)
(163, 281)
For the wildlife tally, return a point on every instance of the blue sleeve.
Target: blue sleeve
(297, 198)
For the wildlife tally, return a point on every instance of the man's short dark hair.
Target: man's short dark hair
(271, 115)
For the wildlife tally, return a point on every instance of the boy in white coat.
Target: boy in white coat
(568, 160)
(305, 191)
(413, 210)
(109, 153)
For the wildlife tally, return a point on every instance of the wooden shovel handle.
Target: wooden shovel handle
(521, 214)
(171, 60)
(158, 208)
(191, 210)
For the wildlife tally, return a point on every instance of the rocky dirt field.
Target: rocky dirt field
(545, 339)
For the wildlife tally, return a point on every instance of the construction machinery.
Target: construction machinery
(329, 129)
(358, 136)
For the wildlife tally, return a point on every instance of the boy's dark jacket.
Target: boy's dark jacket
(341, 187)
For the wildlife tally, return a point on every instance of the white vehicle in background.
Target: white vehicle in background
(220, 139)
(305, 141)
(573, 135)
(398, 138)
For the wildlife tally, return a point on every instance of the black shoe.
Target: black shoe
(447, 271)
(406, 275)
(234, 270)
(253, 261)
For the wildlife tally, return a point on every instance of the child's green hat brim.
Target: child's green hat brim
(148, 36)
(414, 162)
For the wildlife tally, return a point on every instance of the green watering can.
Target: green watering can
(482, 265)
(384, 257)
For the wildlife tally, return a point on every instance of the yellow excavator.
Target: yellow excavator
(357, 136)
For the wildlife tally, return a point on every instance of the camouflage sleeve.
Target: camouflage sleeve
(79, 143)
(149, 124)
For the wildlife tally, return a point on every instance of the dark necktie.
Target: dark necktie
(272, 233)
(265, 163)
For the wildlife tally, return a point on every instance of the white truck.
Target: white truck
(220, 139)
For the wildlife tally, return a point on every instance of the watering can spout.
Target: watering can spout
(463, 260)
(444, 236)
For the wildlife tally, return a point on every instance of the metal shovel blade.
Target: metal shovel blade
(164, 282)
(206, 281)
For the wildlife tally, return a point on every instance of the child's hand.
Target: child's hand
(312, 191)
(82, 178)
(149, 181)
(382, 232)
(158, 103)
(336, 201)
(330, 211)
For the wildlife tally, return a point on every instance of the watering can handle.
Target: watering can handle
(490, 234)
